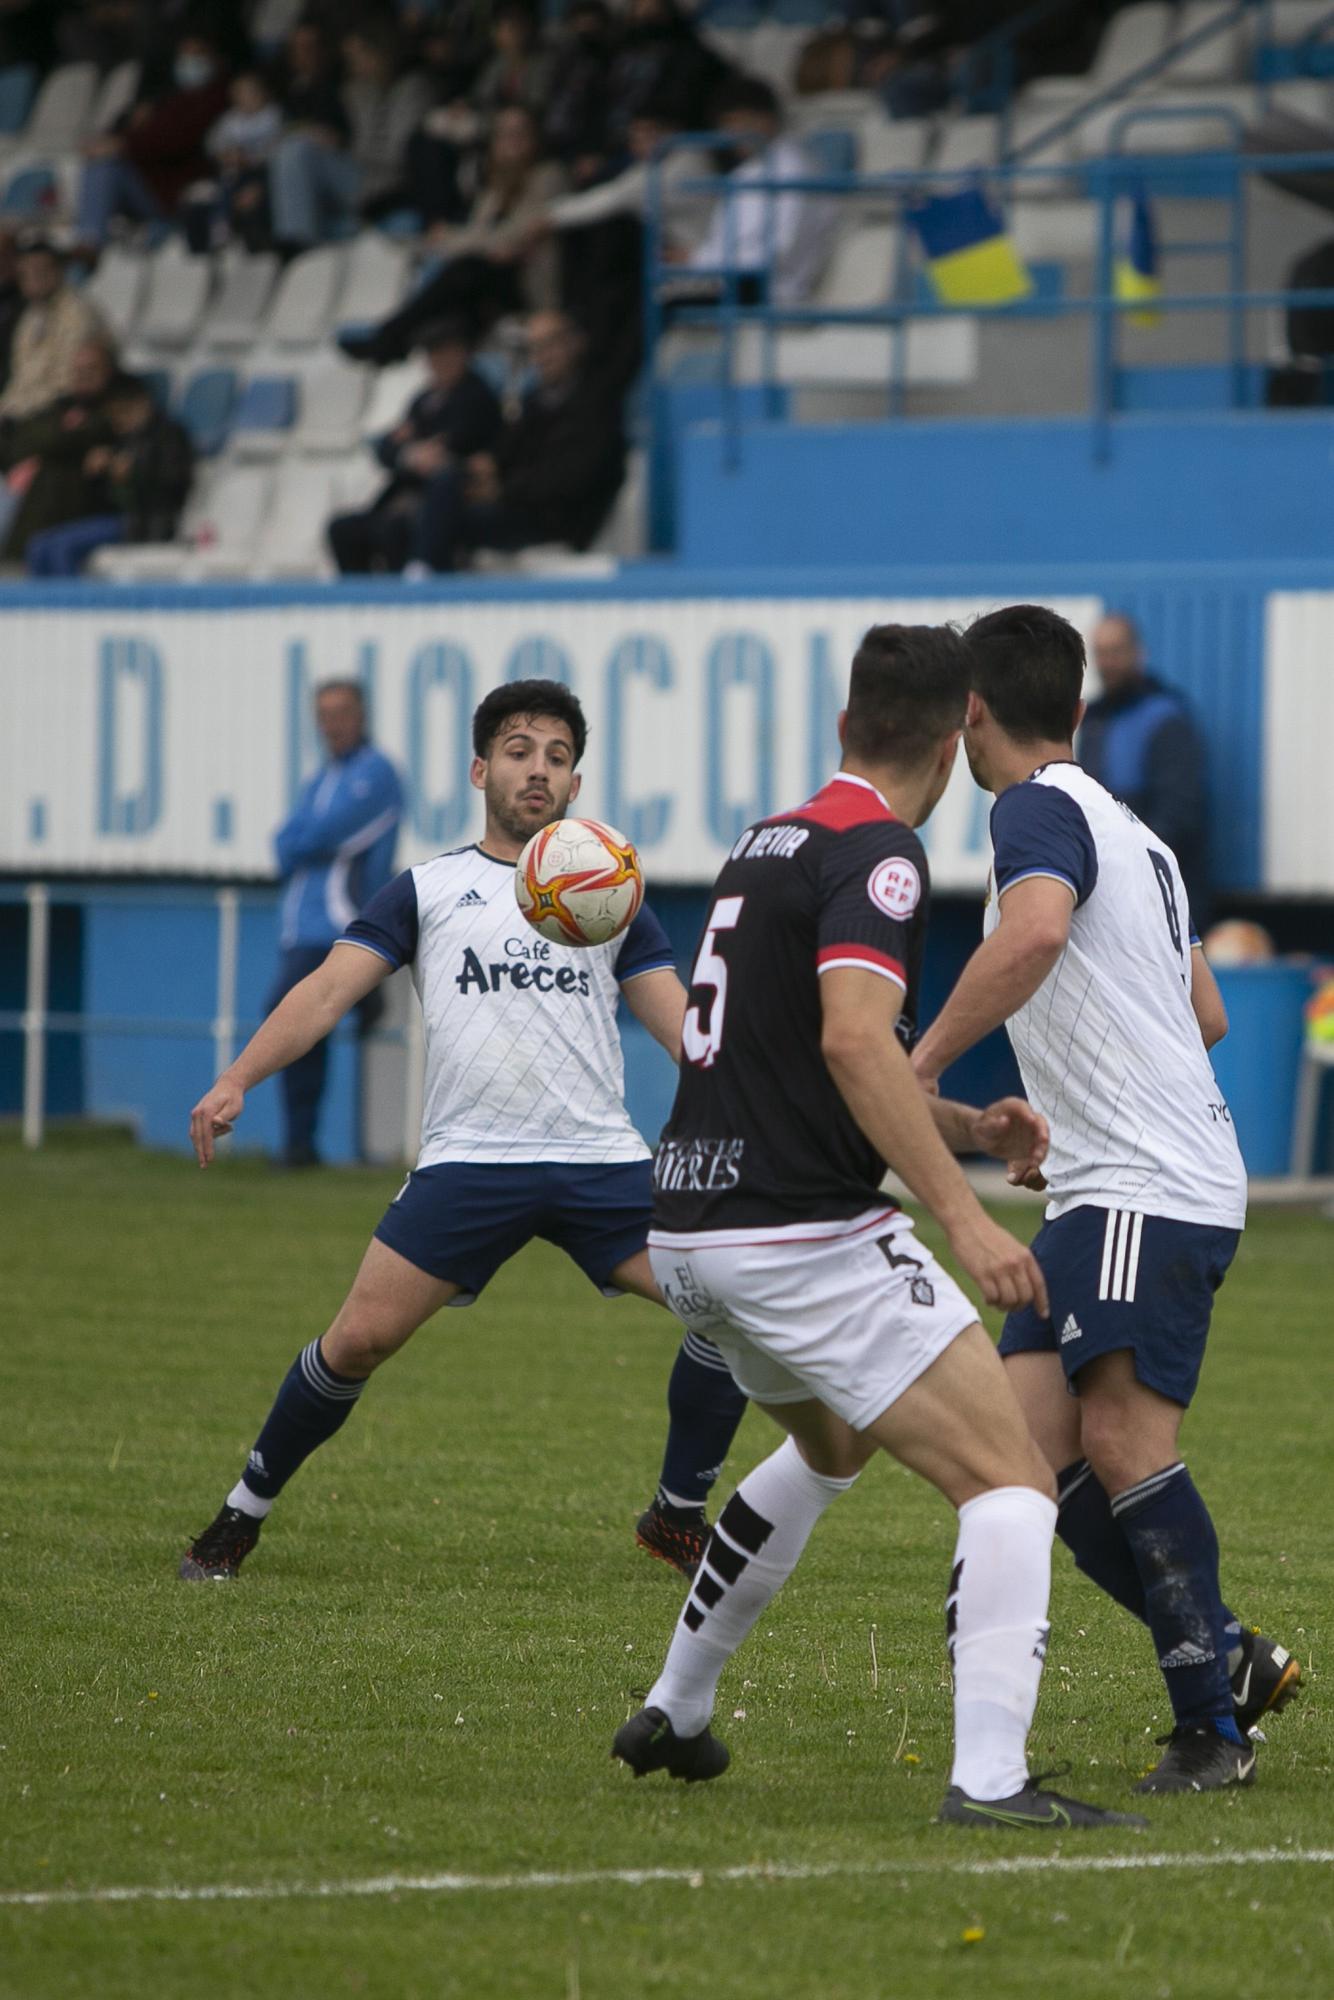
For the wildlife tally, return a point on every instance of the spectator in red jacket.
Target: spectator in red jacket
(143, 166)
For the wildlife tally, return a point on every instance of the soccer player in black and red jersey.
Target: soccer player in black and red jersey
(771, 1237)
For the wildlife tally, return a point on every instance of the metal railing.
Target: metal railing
(1223, 175)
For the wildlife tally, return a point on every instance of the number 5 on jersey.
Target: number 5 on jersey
(701, 1044)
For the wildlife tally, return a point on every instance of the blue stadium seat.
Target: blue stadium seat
(157, 381)
(206, 408)
(266, 409)
(32, 190)
(18, 86)
(833, 149)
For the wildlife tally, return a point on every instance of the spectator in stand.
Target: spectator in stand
(55, 324)
(574, 112)
(660, 59)
(1140, 740)
(236, 203)
(776, 243)
(316, 182)
(307, 85)
(520, 68)
(139, 480)
(553, 475)
(600, 234)
(499, 262)
(43, 455)
(334, 853)
(448, 423)
(143, 166)
(440, 161)
(12, 300)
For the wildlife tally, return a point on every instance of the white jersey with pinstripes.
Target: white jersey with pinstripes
(1109, 1047)
(523, 1055)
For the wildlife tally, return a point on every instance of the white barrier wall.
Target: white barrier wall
(1298, 769)
(172, 742)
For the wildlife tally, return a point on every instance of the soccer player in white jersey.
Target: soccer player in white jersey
(524, 1126)
(1090, 959)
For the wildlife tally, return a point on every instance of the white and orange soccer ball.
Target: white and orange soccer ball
(579, 882)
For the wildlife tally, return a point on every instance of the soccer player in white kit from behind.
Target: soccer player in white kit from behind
(1090, 959)
(772, 1237)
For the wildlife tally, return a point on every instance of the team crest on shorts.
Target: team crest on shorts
(895, 887)
(923, 1292)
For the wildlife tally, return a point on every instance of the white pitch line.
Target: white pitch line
(640, 1878)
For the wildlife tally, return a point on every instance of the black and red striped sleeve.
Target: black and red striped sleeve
(874, 890)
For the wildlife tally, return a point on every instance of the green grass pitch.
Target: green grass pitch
(419, 1673)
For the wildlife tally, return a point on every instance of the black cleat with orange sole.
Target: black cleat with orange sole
(675, 1535)
(217, 1554)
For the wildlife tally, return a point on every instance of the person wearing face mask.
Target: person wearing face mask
(142, 167)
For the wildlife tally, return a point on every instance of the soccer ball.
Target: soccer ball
(579, 882)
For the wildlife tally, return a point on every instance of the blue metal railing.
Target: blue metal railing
(1107, 182)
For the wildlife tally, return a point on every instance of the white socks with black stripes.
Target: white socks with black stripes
(996, 1621)
(753, 1550)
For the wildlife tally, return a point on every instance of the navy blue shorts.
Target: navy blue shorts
(1116, 1279)
(462, 1222)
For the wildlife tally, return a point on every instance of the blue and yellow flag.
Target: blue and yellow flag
(1136, 273)
(971, 259)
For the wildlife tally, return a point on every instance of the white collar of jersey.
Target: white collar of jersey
(850, 778)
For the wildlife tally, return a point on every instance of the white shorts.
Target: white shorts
(850, 1313)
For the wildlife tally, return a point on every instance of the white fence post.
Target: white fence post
(34, 1016)
(229, 940)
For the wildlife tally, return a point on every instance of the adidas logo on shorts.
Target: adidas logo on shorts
(1072, 1330)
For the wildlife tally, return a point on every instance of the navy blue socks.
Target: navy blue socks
(311, 1405)
(1171, 1538)
(705, 1408)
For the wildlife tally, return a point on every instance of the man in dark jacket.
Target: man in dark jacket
(554, 473)
(1140, 740)
(448, 423)
(139, 480)
(43, 455)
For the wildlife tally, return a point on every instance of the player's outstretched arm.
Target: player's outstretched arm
(875, 1080)
(1009, 1130)
(1002, 973)
(303, 1017)
(1205, 998)
(658, 999)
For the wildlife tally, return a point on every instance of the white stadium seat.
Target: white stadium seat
(244, 289)
(115, 95)
(377, 277)
(1192, 131)
(306, 494)
(219, 536)
(1219, 59)
(1131, 38)
(117, 289)
(62, 115)
(967, 143)
(178, 289)
(303, 305)
(332, 404)
(892, 146)
(391, 392)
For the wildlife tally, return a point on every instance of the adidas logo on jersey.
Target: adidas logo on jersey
(1072, 1330)
(472, 901)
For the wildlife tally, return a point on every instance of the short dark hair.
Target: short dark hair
(453, 330)
(530, 698)
(343, 686)
(747, 93)
(1027, 664)
(909, 689)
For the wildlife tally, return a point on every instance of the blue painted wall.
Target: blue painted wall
(1207, 488)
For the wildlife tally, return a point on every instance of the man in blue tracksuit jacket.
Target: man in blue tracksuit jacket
(334, 852)
(1140, 740)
